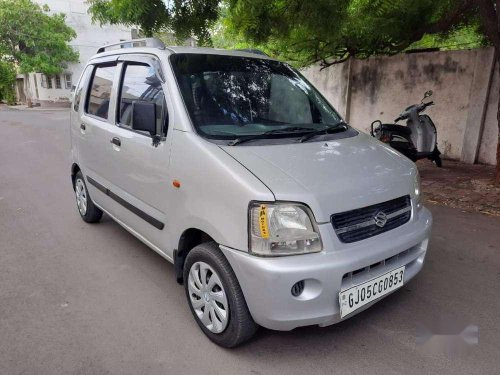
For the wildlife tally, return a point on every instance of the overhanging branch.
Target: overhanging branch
(325, 64)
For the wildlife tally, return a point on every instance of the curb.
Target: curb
(37, 109)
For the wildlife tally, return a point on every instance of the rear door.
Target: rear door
(97, 125)
(77, 129)
(138, 175)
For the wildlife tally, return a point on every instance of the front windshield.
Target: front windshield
(233, 96)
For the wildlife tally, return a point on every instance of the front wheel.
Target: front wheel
(215, 297)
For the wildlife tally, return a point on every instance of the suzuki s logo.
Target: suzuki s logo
(380, 219)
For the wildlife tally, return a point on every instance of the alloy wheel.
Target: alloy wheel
(81, 197)
(208, 297)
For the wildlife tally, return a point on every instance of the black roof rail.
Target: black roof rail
(145, 42)
(253, 50)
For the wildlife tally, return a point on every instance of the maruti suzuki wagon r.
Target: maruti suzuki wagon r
(230, 165)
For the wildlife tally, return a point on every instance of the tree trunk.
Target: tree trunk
(27, 91)
(489, 13)
(497, 170)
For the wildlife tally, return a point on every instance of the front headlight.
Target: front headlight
(282, 229)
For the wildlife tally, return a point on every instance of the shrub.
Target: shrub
(7, 81)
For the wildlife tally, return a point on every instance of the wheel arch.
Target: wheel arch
(189, 239)
(74, 170)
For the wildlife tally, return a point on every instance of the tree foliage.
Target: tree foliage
(185, 18)
(7, 79)
(331, 31)
(303, 31)
(466, 37)
(32, 39)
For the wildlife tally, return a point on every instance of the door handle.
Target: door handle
(116, 141)
(82, 126)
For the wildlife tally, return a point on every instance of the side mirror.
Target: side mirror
(144, 117)
(427, 94)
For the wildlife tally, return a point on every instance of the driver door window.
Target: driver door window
(140, 83)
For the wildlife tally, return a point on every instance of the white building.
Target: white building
(55, 90)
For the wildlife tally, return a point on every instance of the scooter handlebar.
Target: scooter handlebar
(420, 108)
(425, 105)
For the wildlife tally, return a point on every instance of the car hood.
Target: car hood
(330, 176)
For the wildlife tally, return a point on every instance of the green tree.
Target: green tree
(7, 79)
(184, 18)
(33, 40)
(331, 31)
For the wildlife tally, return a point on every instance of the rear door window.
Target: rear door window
(100, 91)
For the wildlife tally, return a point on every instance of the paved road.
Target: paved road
(91, 299)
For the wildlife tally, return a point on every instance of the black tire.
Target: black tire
(92, 213)
(438, 161)
(240, 327)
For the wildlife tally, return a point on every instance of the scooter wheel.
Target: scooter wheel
(438, 161)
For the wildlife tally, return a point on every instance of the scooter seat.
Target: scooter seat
(393, 128)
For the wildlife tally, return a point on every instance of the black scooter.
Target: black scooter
(417, 140)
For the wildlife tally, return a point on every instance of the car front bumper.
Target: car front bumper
(266, 282)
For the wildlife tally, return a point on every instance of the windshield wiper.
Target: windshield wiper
(290, 129)
(335, 128)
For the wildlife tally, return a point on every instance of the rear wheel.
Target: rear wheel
(86, 207)
(215, 297)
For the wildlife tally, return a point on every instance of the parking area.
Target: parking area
(463, 186)
(91, 299)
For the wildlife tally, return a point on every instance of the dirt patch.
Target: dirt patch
(467, 187)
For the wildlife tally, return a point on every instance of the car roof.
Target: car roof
(218, 51)
(170, 50)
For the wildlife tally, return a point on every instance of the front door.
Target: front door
(139, 173)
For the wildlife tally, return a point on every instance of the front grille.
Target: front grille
(361, 223)
(406, 258)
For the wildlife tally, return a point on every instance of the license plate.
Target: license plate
(357, 296)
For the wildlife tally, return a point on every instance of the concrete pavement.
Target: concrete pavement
(91, 299)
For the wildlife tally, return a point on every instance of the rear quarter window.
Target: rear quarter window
(81, 84)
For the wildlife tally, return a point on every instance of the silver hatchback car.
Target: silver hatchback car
(229, 164)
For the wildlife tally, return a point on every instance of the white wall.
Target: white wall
(89, 38)
(332, 83)
(381, 87)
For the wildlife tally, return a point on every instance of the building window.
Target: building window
(58, 81)
(67, 81)
(44, 81)
(49, 82)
